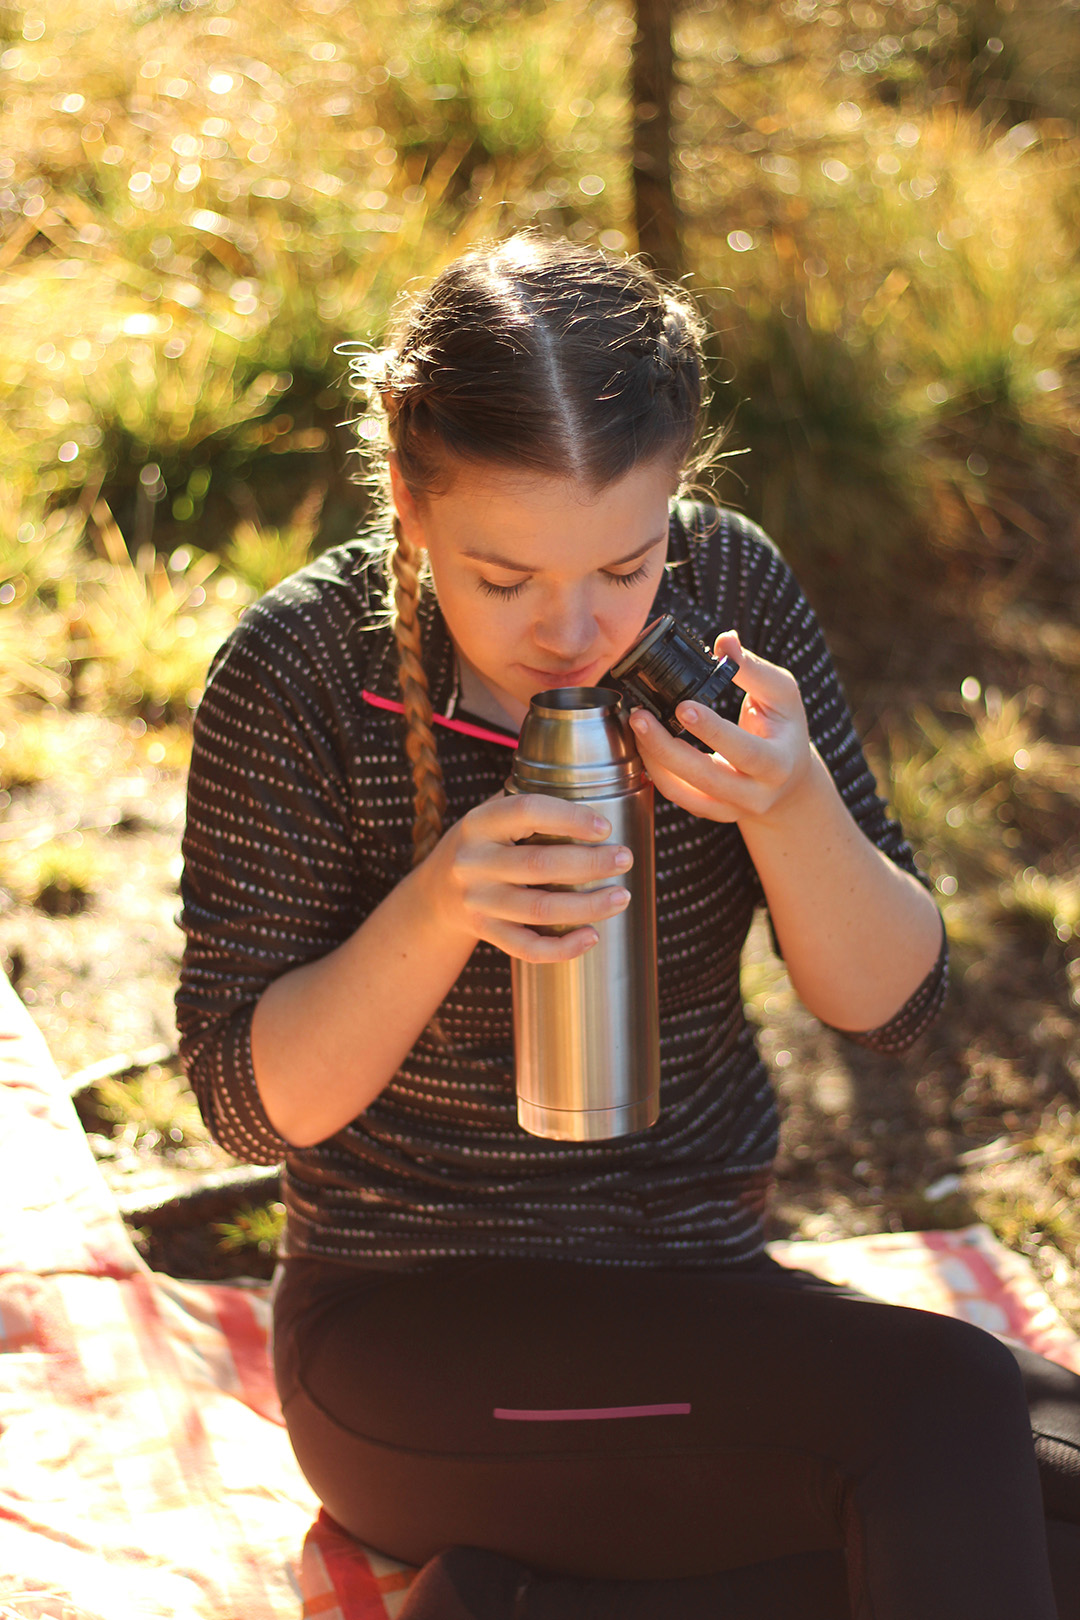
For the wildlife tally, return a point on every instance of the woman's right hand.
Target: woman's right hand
(493, 882)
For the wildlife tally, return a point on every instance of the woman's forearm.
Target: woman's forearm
(858, 934)
(329, 1035)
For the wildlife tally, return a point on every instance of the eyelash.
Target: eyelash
(506, 592)
(630, 579)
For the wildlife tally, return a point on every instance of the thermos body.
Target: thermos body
(587, 1032)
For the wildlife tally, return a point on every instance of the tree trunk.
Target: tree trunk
(656, 214)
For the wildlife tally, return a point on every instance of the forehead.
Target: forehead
(542, 520)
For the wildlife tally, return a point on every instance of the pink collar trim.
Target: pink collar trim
(441, 720)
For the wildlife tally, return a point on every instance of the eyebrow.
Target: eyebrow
(498, 561)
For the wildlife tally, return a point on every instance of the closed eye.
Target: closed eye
(503, 591)
(630, 579)
(506, 592)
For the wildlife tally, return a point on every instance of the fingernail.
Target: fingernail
(689, 712)
(623, 859)
(598, 824)
(639, 721)
(620, 899)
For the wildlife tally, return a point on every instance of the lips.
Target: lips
(560, 677)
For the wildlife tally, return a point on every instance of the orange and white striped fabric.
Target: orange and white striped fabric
(145, 1472)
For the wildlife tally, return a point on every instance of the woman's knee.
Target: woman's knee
(954, 1377)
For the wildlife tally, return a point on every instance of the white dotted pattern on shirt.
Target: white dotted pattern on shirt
(299, 823)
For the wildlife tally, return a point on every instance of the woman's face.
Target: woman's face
(542, 582)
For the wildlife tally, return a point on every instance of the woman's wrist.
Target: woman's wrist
(808, 793)
(436, 895)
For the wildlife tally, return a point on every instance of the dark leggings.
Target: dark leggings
(746, 1442)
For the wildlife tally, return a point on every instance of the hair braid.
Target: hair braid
(430, 799)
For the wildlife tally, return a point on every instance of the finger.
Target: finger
(716, 805)
(706, 772)
(770, 686)
(745, 750)
(544, 863)
(551, 908)
(530, 947)
(514, 816)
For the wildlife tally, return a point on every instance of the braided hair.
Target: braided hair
(430, 800)
(531, 354)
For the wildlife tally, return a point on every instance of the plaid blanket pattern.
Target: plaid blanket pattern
(145, 1472)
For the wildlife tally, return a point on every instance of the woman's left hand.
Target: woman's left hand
(755, 768)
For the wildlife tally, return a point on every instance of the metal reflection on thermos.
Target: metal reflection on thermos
(587, 1032)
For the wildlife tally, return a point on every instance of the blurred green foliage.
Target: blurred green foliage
(257, 1228)
(204, 202)
(200, 202)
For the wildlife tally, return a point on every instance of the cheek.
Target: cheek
(472, 617)
(629, 614)
(495, 628)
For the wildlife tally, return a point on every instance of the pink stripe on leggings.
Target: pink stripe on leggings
(587, 1414)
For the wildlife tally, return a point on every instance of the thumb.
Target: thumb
(766, 683)
(728, 645)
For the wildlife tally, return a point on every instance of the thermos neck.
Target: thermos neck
(576, 743)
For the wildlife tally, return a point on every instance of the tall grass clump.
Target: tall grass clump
(892, 272)
(196, 208)
(262, 557)
(198, 205)
(151, 625)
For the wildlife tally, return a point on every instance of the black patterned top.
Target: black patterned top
(299, 824)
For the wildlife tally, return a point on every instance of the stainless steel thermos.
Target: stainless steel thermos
(587, 1032)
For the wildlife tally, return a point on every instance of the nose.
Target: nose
(566, 627)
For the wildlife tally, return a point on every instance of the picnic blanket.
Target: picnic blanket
(145, 1471)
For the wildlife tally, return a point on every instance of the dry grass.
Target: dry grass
(208, 203)
(262, 557)
(60, 877)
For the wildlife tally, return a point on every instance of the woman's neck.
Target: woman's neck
(479, 699)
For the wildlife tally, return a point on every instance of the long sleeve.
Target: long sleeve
(270, 876)
(759, 595)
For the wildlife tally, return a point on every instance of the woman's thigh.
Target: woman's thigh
(654, 1424)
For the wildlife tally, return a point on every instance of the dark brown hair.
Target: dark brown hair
(532, 354)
